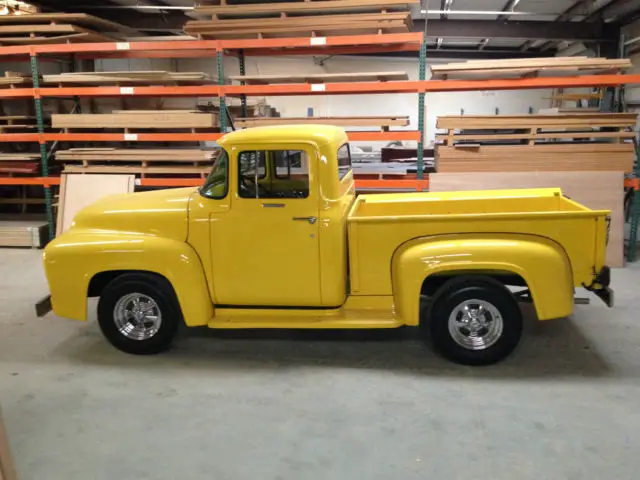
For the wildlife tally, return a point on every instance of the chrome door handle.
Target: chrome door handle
(311, 220)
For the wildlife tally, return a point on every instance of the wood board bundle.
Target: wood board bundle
(186, 155)
(266, 9)
(532, 158)
(273, 20)
(128, 78)
(321, 78)
(504, 143)
(79, 191)
(595, 190)
(143, 119)
(57, 28)
(528, 67)
(22, 233)
(382, 122)
(13, 79)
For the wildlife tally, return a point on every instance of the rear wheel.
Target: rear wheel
(139, 313)
(475, 322)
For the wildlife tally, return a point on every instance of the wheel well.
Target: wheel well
(433, 283)
(102, 279)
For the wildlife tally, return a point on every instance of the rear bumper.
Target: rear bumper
(600, 286)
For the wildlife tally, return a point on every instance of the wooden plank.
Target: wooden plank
(80, 19)
(534, 136)
(596, 190)
(264, 23)
(152, 119)
(323, 7)
(7, 466)
(87, 37)
(137, 155)
(488, 122)
(99, 78)
(338, 121)
(79, 191)
(321, 78)
(179, 170)
(531, 63)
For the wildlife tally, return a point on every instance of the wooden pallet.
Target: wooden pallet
(128, 78)
(382, 122)
(528, 67)
(315, 25)
(301, 8)
(151, 119)
(321, 78)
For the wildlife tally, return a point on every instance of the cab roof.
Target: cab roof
(318, 134)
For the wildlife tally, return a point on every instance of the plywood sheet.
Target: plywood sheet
(337, 121)
(488, 122)
(596, 190)
(79, 191)
(81, 19)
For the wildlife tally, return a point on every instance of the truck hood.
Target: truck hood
(160, 213)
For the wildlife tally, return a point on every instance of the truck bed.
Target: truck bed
(378, 224)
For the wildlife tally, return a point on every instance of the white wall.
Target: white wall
(437, 104)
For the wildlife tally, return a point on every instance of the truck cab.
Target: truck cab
(277, 238)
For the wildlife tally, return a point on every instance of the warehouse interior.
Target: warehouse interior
(117, 97)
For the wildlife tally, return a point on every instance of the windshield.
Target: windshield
(217, 182)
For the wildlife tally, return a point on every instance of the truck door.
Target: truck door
(265, 249)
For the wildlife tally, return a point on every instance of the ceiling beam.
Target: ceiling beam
(480, 29)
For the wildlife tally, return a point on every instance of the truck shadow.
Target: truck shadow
(550, 349)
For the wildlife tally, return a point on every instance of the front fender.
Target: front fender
(72, 260)
(542, 263)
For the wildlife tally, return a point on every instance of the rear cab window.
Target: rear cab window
(344, 161)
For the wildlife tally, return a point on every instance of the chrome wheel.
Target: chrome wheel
(137, 316)
(475, 324)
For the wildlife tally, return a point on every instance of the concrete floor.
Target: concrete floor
(290, 405)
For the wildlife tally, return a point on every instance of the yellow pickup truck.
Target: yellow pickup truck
(277, 238)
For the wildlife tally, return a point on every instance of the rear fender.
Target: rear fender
(74, 258)
(542, 263)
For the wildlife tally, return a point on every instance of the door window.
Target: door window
(273, 174)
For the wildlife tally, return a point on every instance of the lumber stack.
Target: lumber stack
(43, 28)
(382, 122)
(301, 18)
(14, 79)
(506, 143)
(128, 78)
(137, 119)
(528, 67)
(321, 78)
(22, 233)
(17, 124)
(178, 161)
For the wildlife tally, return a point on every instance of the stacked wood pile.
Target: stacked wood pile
(19, 162)
(530, 67)
(15, 80)
(321, 78)
(137, 119)
(302, 18)
(16, 232)
(382, 122)
(58, 28)
(128, 78)
(137, 160)
(504, 143)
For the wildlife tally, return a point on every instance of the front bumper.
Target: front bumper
(600, 286)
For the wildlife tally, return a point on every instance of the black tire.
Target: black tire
(452, 295)
(160, 291)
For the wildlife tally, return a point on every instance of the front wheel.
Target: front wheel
(475, 322)
(139, 313)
